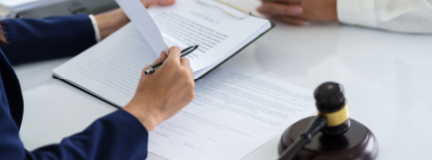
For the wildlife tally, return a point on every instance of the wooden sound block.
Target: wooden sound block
(357, 143)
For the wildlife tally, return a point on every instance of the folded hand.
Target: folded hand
(297, 12)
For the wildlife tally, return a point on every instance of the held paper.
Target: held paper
(217, 33)
(112, 68)
(142, 20)
(233, 113)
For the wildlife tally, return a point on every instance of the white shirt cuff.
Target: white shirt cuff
(357, 12)
(95, 27)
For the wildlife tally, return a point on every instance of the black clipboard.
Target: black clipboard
(238, 51)
(272, 25)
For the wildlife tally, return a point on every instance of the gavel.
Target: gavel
(329, 135)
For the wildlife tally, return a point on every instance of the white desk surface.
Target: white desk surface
(387, 78)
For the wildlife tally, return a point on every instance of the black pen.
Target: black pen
(184, 53)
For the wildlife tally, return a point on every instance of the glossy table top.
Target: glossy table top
(386, 78)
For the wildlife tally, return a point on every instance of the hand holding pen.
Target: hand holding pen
(184, 53)
(161, 95)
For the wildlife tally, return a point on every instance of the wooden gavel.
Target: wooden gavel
(333, 122)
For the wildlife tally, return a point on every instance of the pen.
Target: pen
(184, 53)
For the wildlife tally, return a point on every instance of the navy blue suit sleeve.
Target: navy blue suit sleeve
(118, 135)
(41, 39)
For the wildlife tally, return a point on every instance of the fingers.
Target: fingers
(165, 2)
(173, 60)
(287, 13)
(278, 9)
(291, 20)
(149, 3)
(186, 64)
(282, 1)
(174, 55)
(162, 57)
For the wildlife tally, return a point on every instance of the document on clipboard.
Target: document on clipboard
(111, 69)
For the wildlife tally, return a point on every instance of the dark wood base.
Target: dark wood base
(357, 143)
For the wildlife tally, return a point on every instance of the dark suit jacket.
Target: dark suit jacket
(118, 135)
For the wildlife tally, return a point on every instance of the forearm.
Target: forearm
(110, 22)
(53, 37)
(32, 40)
(116, 136)
(413, 16)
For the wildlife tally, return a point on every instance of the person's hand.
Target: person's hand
(112, 21)
(298, 12)
(149, 3)
(162, 94)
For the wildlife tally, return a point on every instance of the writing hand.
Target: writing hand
(162, 94)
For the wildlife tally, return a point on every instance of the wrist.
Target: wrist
(110, 22)
(148, 120)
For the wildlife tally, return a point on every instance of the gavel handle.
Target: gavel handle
(313, 128)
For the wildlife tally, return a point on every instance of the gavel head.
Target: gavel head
(330, 101)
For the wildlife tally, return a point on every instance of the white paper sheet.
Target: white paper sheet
(234, 112)
(142, 20)
(216, 32)
(112, 68)
(188, 23)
